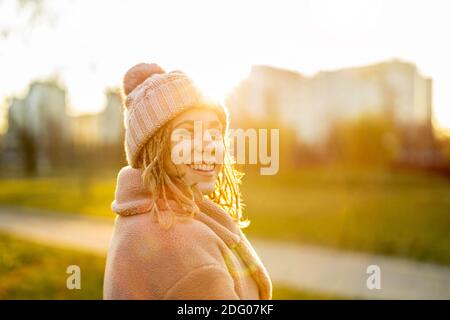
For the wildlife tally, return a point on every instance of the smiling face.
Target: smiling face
(196, 149)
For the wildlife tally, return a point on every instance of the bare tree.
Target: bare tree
(33, 11)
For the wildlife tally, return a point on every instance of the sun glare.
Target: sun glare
(218, 46)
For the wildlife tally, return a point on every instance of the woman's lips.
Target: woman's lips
(206, 170)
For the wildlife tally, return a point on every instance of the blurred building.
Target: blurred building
(112, 130)
(313, 104)
(100, 129)
(11, 142)
(85, 130)
(38, 128)
(41, 135)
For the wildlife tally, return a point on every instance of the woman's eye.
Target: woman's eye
(181, 134)
(215, 133)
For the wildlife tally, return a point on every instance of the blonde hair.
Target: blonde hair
(226, 190)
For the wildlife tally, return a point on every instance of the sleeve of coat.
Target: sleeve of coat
(208, 282)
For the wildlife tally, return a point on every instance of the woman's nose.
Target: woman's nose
(208, 149)
(213, 152)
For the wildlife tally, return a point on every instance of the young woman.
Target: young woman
(178, 230)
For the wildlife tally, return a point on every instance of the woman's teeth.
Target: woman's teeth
(202, 167)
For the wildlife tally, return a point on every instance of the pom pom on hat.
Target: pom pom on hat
(138, 74)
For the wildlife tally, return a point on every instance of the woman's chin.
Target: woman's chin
(205, 187)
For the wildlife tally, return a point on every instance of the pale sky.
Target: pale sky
(91, 44)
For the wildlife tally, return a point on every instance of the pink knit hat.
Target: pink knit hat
(153, 98)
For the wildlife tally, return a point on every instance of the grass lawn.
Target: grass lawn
(395, 213)
(399, 214)
(34, 271)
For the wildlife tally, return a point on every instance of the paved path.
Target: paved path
(303, 267)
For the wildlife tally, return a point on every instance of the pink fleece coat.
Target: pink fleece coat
(207, 257)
